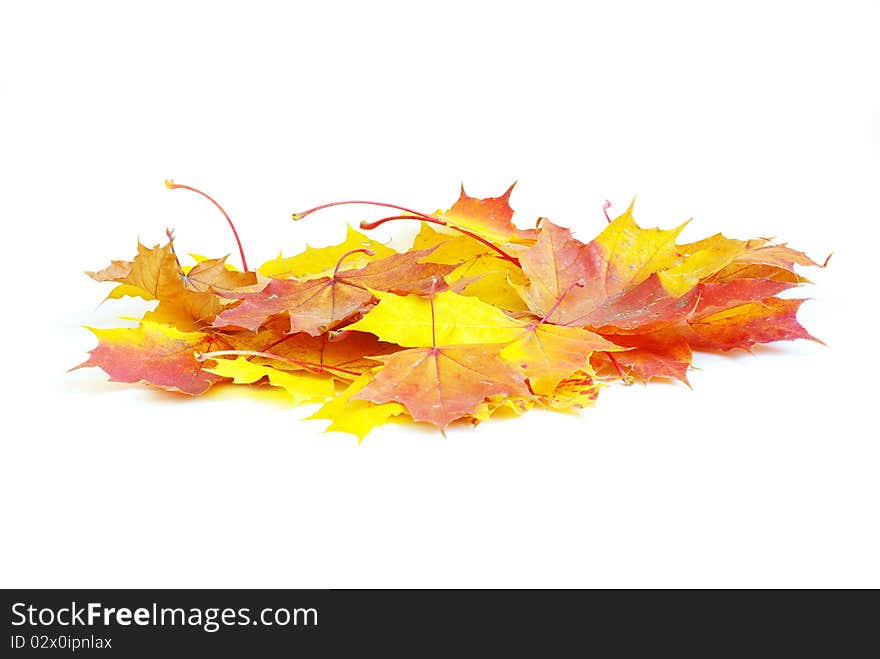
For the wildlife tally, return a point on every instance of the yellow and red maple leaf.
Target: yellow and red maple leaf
(158, 354)
(490, 217)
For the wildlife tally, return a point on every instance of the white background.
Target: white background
(753, 118)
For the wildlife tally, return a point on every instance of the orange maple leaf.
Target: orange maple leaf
(608, 300)
(441, 384)
(318, 305)
(490, 217)
(155, 353)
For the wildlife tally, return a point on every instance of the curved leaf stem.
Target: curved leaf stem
(616, 365)
(171, 185)
(368, 226)
(362, 250)
(321, 368)
(579, 283)
(299, 216)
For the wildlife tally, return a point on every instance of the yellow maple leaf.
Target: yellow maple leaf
(357, 417)
(317, 262)
(454, 319)
(200, 258)
(493, 278)
(450, 248)
(699, 260)
(303, 387)
(517, 405)
(632, 253)
(127, 290)
(548, 353)
(495, 281)
(573, 393)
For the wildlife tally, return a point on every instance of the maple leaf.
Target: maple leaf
(317, 262)
(446, 318)
(491, 217)
(185, 300)
(401, 273)
(116, 271)
(357, 417)
(493, 405)
(345, 353)
(314, 306)
(760, 251)
(448, 247)
(765, 321)
(155, 353)
(492, 280)
(546, 354)
(720, 295)
(318, 305)
(214, 274)
(729, 314)
(761, 260)
(666, 353)
(621, 288)
(649, 357)
(575, 392)
(484, 274)
(155, 272)
(442, 384)
(696, 261)
(735, 310)
(303, 388)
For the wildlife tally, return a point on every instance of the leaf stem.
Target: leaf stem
(579, 283)
(433, 318)
(171, 185)
(605, 208)
(616, 365)
(299, 216)
(368, 226)
(170, 234)
(312, 366)
(362, 250)
(413, 215)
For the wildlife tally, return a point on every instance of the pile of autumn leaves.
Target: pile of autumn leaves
(477, 317)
